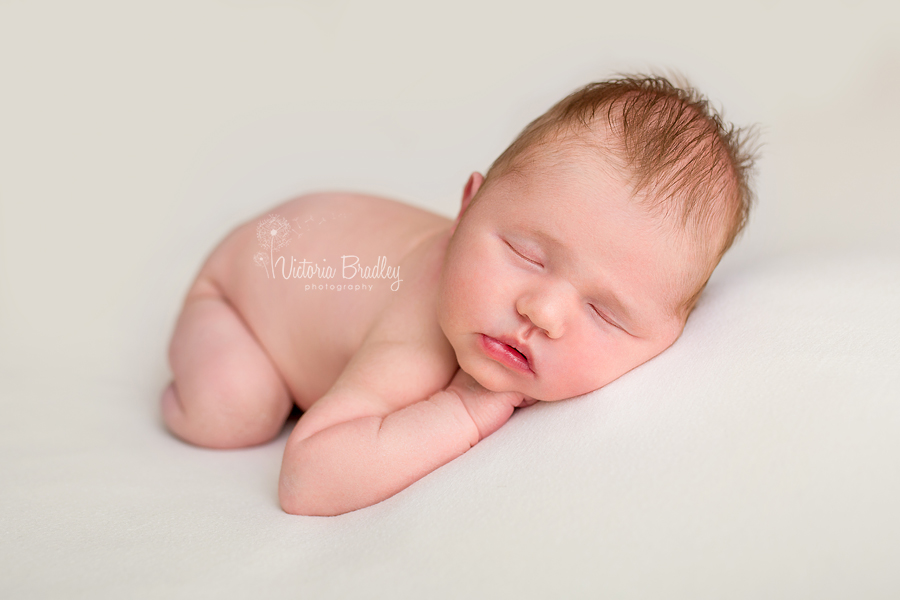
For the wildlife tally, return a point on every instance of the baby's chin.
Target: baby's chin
(543, 393)
(498, 385)
(489, 380)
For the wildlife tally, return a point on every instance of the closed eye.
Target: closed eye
(605, 318)
(531, 260)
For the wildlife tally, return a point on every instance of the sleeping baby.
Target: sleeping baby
(406, 338)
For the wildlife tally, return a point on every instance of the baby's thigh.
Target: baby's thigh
(226, 391)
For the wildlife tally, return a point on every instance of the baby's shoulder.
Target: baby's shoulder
(357, 211)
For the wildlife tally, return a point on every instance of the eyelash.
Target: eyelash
(604, 317)
(522, 256)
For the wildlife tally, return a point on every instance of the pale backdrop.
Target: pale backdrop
(133, 136)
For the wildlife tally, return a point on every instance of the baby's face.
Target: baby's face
(556, 283)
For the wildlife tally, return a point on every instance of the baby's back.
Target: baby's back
(311, 277)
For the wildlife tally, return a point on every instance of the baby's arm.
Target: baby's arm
(333, 467)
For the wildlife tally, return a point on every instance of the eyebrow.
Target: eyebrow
(550, 239)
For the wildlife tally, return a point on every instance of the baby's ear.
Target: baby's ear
(472, 187)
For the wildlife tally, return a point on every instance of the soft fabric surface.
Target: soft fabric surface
(757, 458)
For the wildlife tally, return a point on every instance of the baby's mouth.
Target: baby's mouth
(524, 356)
(519, 352)
(507, 354)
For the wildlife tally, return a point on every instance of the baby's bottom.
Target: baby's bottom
(226, 392)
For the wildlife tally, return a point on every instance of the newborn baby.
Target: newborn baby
(406, 338)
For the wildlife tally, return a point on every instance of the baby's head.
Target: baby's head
(583, 251)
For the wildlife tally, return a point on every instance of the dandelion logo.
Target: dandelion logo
(273, 233)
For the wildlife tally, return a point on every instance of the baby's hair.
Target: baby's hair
(681, 158)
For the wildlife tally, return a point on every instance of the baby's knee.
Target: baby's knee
(176, 418)
(212, 419)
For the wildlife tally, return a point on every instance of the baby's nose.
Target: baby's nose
(545, 310)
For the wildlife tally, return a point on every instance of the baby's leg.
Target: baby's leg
(226, 393)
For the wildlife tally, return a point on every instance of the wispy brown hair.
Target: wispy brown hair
(683, 161)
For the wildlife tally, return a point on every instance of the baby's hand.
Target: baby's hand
(489, 410)
(356, 462)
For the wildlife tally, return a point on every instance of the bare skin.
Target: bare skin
(247, 347)
(551, 286)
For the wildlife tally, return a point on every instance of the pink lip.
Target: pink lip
(505, 353)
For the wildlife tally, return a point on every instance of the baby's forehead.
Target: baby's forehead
(660, 211)
(559, 178)
(677, 191)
